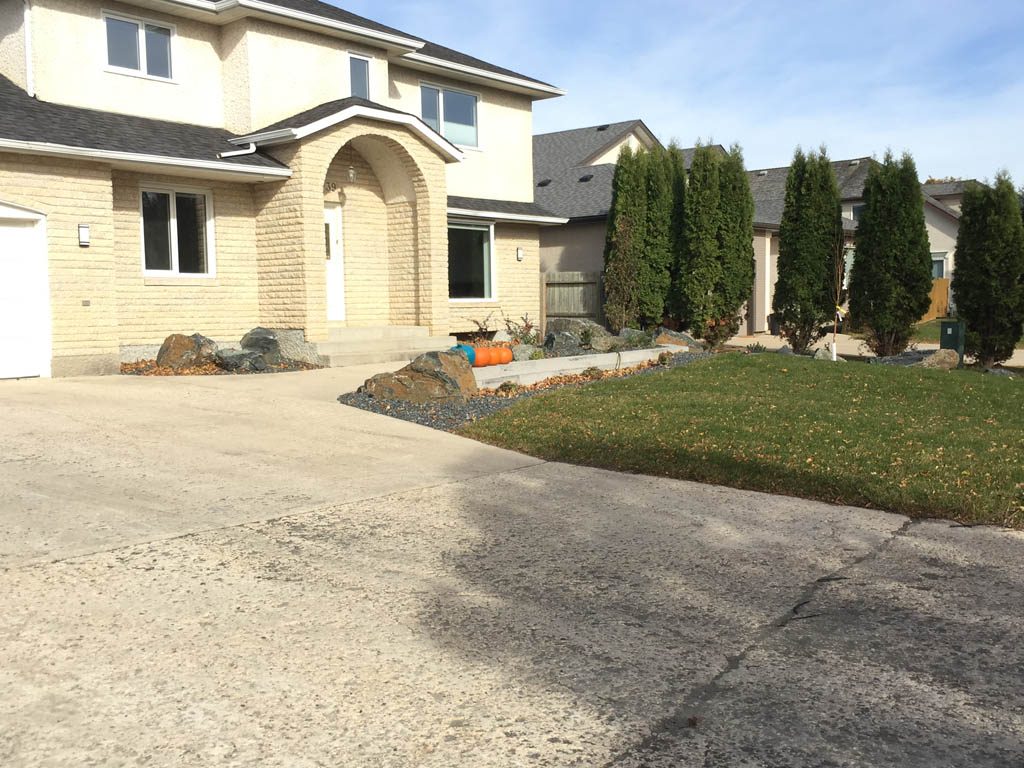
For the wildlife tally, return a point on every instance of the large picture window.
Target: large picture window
(453, 114)
(138, 46)
(469, 262)
(176, 232)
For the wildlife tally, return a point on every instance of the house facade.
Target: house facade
(190, 165)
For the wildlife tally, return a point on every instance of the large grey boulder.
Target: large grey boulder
(266, 342)
(785, 349)
(636, 339)
(562, 343)
(179, 351)
(608, 344)
(241, 360)
(433, 377)
(666, 336)
(292, 345)
(522, 352)
(578, 327)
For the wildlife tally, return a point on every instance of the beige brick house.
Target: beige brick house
(198, 165)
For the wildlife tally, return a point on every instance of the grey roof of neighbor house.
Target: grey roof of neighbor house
(564, 185)
(768, 186)
(317, 8)
(25, 118)
(497, 206)
(945, 188)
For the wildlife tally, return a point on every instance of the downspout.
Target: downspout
(249, 150)
(30, 80)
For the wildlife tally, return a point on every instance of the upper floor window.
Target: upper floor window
(359, 76)
(138, 46)
(450, 113)
(858, 211)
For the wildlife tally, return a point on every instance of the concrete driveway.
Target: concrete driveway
(239, 571)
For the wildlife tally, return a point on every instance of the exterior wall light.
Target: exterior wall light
(83, 235)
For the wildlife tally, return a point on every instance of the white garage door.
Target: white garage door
(24, 296)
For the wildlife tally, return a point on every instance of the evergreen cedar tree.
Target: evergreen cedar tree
(677, 177)
(716, 267)
(890, 284)
(988, 283)
(625, 241)
(810, 251)
(656, 262)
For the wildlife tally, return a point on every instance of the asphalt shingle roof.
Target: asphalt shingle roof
(317, 8)
(25, 118)
(497, 206)
(943, 188)
(321, 111)
(566, 149)
(567, 195)
(768, 187)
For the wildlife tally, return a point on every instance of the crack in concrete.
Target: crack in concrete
(684, 717)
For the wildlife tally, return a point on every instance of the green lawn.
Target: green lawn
(922, 442)
(928, 333)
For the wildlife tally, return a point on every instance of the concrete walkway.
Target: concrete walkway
(846, 345)
(239, 571)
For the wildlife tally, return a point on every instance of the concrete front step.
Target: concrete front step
(342, 353)
(376, 333)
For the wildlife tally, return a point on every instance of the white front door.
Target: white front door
(24, 298)
(335, 261)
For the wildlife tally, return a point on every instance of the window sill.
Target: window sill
(140, 75)
(491, 300)
(178, 280)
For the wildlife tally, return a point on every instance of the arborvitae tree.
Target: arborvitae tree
(890, 284)
(656, 262)
(736, 248)
(624, 246)
(701, 265)
(677, 178)
(810, 244)
(988, 282)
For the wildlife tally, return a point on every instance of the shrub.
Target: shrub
(756, 348)
(988, 283)
(890, 285)
(623, 255)
(656, 260)
(523, 331)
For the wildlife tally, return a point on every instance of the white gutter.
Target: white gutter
(30, 78)
(250, 150)
(61, 150)
(528, 218)
(484, 74)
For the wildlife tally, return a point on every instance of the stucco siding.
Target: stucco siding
(223, 306)
(573, 247)
(942, 233)
(611, 155)
(518, 282)
(70, 64)
(82, 298)
(12, 43)
(501, 168)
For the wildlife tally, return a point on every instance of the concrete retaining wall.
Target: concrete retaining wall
(529, 372)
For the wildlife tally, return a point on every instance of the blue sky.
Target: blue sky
(943, 79)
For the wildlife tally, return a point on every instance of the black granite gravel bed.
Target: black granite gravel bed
(448, 417)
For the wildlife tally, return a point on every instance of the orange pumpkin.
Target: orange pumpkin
(504, 355)
(483, 357)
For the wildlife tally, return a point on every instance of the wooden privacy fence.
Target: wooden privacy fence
(940, 299)
(572, 294)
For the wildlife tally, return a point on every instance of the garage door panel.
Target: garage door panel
(24, 309)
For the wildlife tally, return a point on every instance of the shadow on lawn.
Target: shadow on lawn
(627, 602)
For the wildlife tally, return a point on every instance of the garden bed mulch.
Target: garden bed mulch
(449, 416)
(150, 368)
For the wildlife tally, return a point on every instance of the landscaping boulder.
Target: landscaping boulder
(607, 344)
(525, 352)
(562, 343)
(179, 351)
(501, 337)
(785, 349)
(826, 354)
(433, 377)
(578, 327)
(292, 345)
(999, 372)
(941, 359)
(266, 342)
(634, 336)
(241, 360)
(666, 336)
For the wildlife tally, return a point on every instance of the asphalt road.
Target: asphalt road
(240, 571)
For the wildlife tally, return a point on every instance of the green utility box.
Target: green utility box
(953, 335)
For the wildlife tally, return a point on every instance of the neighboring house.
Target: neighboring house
(200, 165)
(573, 171)
(768, 187)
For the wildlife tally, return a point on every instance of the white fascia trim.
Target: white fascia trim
(486, 74)
(512, 217)
(86, 153)
(311, 18)
(282, 135)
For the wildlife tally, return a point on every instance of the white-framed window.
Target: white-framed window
(451, 113)
(858, 211)
(938, 265)
(359, 75)
(470, 262)
(177, 232)
(138, 47)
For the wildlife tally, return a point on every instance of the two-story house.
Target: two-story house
(212, 165)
